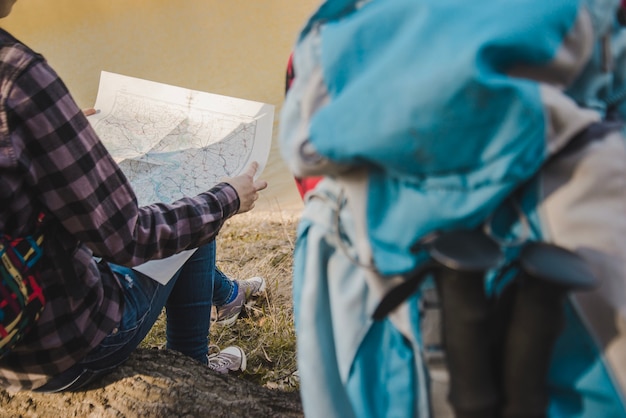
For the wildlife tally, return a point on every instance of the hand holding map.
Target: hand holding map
(173, 142)
(247, 188)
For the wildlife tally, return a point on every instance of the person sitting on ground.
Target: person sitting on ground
(97, 312)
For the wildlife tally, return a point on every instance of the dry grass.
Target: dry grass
(258, 244)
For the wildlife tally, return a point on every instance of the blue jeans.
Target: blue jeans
(187, 298)
(223, 288)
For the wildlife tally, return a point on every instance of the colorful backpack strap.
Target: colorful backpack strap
(22, 299)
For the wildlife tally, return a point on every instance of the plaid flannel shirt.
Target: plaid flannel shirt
(51, 159)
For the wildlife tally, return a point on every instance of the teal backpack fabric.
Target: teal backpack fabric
(459, 114)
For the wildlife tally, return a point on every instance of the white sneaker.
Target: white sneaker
(230, 359)
(226, 315)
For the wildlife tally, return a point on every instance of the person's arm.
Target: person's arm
(80, 184)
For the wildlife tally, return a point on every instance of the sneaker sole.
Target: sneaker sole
(226, 322)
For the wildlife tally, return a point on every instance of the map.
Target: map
(173, 142)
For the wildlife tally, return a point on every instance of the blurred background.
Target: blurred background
(235, 48)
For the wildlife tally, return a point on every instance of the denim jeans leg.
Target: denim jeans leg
(189, 305)
(144, 300)
(223, 288)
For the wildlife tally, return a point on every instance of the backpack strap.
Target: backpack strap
(22, 299)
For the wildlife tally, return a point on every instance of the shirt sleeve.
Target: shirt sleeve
(78, 181)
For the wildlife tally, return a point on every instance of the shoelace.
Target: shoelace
(217, 362)
(214, 358)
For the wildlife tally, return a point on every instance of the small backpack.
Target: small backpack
(21, 295)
